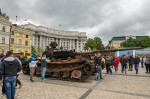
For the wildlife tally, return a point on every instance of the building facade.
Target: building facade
(20, 39)
(69, 40)
(4, 32)
(117, 41)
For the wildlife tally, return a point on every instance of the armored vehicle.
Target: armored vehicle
(68, 64)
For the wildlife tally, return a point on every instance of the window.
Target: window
(26, 42)
(12, 40)
(12, 33)
(26, 36)
(2, 51)
(3, 28)
(3, 40)
(20, 42)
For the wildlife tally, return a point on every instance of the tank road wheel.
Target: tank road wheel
(76, 74)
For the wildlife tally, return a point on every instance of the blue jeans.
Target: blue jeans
(136, 68)
(10, 84)
(121, 66)
(116, 68)
(43, 70)
(99, 67)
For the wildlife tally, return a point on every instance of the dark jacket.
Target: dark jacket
(10, 67)
(124, 60)
(95, 58)
(130, 60)
(1, 60)
(98, 60)
(43, 63)
(136, 60)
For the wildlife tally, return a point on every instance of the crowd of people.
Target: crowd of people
(126, 61)
(11, 65)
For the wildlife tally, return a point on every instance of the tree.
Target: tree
(33, 50)
(143, 42)
(94, 44)
(39, 50)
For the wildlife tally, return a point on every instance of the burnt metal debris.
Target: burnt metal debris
(68, 64)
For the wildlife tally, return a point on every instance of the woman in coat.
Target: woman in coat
(116, 62)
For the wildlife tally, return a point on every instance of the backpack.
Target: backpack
(108, 61)
(147, 61)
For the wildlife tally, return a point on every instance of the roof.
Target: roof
(124, 38)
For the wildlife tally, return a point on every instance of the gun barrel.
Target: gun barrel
(107, 50)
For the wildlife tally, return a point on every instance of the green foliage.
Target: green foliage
(33, 50)
(143, 42)
(38, 50)
(94, 44)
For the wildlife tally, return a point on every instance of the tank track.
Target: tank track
(84, 77)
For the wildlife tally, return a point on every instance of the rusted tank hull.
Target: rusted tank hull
(73, 70)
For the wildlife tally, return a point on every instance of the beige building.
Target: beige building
(20, 39)
(116, 41)
(4, 32)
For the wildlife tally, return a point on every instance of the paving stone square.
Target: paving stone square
(113, 86)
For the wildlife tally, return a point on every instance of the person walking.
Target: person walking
(95, 59)
(32, 65)
(121, 62)
(112, 61)
(10, 68)
(1, 77)
(142, 62)
(124, 62)
(18, 81)
(147, 64)
(130, 63)
(108, 62)
(44, 62)
(98, 67)
(136, 63)
(116, 63)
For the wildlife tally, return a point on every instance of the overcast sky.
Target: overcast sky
(102, 18)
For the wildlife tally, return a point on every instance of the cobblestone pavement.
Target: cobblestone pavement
(113, 86)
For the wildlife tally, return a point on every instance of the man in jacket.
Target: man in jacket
(32, 65)
(44, 62)
(130, 63)
(10, 68)
(98, 66)
(108, 62)
(136, 63)
(124, 62)
(1, 78)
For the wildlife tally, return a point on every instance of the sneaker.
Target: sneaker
(101, 77)
(20, 86)
(31, 80)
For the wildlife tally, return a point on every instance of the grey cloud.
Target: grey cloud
(103, 18)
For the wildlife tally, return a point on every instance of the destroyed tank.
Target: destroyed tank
(67, 64)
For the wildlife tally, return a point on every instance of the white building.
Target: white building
(43, 36)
